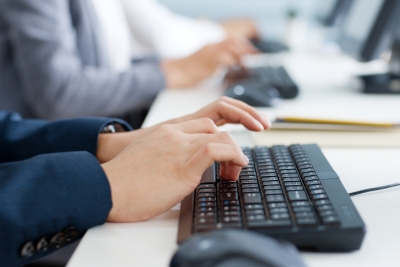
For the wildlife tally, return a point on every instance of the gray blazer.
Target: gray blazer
(53, 64)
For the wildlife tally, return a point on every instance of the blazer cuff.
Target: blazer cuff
(44, 196)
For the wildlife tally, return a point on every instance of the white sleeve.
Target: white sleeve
(166, 33)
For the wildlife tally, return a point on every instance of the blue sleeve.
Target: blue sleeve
(46, 199)
(23, 139)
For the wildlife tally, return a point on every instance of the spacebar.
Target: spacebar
(269, 223)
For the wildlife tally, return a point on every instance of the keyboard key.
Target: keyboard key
(205, 199)
(227, 190)
(311, 178)
(324, 207)
(319, 196)
(252, 198)
(249, 186)
(274, 198)
(297, 195)
(205, 204)
(331, 221)
(304, 170)
(309, 174)
(269, 224)
(229, 225)
(273, 192)
(209, 220)
(317, 191)
(255, 218)
(266, 179)
(276, 205)
(253, 207)
(230, 213)
(292, 183)
(294, 188)
(280, 216)
(322, 202)
(207, 190)
(228, 196)
(230, 208)
(205, 214)
(273, 187)
(301, 209)
(270, 183)
(231, 219)
(268, 175)
(297, 179)
(247, 177)
(249, 173)
(230, 203)
(206, 195)
(290, 175)
(205, 209)
(288, 171)
(290, 167)
(327, 213)
(313, 182)
(318, 186)
(248, 182)
(278, 210)
(303, 214)
(255, 212)
(206, 186)
(251, 190)
(300, 204)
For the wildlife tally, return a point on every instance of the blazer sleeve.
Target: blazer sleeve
(23, 139)
(53, 77)
(47, 202)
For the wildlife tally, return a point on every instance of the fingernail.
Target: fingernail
(266, 120)
(260, 126)
(246, 159)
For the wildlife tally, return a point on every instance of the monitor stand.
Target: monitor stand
(388, 83)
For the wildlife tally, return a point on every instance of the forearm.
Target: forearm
(43, 196)
(23, 139)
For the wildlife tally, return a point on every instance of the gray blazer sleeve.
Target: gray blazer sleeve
(56, 84)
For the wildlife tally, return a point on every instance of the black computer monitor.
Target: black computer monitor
(369, 28)
(332, 12)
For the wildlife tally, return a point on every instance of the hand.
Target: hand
(229, 110)
(189, 71)
(242, 27)
(157, 171)
(225, 110)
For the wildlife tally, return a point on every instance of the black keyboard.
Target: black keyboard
(269, 46)
(290, 193)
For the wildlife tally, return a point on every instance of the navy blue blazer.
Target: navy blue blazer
(52, 188)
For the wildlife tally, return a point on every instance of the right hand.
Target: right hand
(157, 171)
(188, 71)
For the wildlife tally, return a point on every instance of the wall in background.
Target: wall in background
(270, 15)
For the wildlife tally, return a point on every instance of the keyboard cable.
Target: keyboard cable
(373, 189)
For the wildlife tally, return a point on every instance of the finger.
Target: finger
(228, 171)
(247, 108)
(236, 115)
(229, 59)
(220, 137)
(207, 154)
(202, 125)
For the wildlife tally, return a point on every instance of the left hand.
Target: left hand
(225, 110)
(243, 27)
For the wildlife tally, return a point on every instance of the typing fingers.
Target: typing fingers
(210, 152)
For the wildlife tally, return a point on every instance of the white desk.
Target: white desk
(327, 90)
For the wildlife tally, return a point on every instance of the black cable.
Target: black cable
(373, 189)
